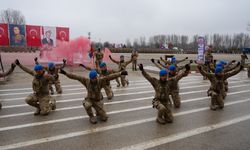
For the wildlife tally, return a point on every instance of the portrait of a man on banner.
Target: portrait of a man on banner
(48, 37)
(17, 35)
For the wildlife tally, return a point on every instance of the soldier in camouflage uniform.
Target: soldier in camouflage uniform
(98, 56)
(173, 80)
(161, 101)
(93, 84)
(216, 79)
(122, 64)
(103, 71)
(173, 61)
(53, 70)
(41, 98)
(134, 55)
(6, 74)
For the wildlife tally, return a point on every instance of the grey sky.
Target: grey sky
(118, 20)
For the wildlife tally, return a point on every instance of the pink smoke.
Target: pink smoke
(75, 51)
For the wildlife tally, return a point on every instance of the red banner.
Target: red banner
(4, 35)
(62, 34)
(33, 35)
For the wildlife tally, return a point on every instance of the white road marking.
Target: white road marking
(78, 93)
(126, 124)
(186, 134)
(81, 117)
(80, 99)
(81, 87)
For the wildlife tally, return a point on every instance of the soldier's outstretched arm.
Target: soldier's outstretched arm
(163, 66)
(82, 79)
(9, 71)
(128, 62)
(29, 71)
(230, 68)
(86, 67)
(114, 61)
(165, 61)
(235, 71)
(113, 76)
(156, 64)
(152, 80)
(182, 74)
(179, 61)
(203, 72)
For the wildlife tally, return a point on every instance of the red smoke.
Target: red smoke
(74, 51)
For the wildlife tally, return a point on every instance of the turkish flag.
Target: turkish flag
(62, 34)
(4, 36)
(33, 35)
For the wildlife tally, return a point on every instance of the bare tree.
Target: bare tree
(128, 43)
(12, 16)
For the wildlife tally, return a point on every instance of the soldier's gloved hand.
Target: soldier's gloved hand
(35, 59)
(141, 67)
(191, 61)
(233, 61)
(186, 57)
(187, 66)
(13, 65)
(153, 61)
(215, 61)
(17, 62)
(62, 71)
(158, 62)
(82, 65)
(110, 56)
(64, 61)
(124, 73)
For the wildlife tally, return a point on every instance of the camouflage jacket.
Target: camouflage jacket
(217, 83)
(161, 89)
(93, 88)
(40, 85)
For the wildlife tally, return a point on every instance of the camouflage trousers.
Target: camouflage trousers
(88, 104)
(124, 81)
(176, 98)
(44, 103)
(134, 65)
(57, 85)
(164, 111)
(217, 99)
(108, 90)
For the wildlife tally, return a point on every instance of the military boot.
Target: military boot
(93, 120)
(160, 120)
(37, 112)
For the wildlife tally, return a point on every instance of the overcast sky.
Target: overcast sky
(118, 20)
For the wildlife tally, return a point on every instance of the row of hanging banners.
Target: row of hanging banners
(53, 43)
(31, 35)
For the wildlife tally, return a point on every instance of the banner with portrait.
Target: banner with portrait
(33, 35)
(201, 49)
(48, 37)
(17, 35)
(4, 35)
(62, 34)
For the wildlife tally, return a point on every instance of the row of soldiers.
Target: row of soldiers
(166, 87)
(42, 83)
